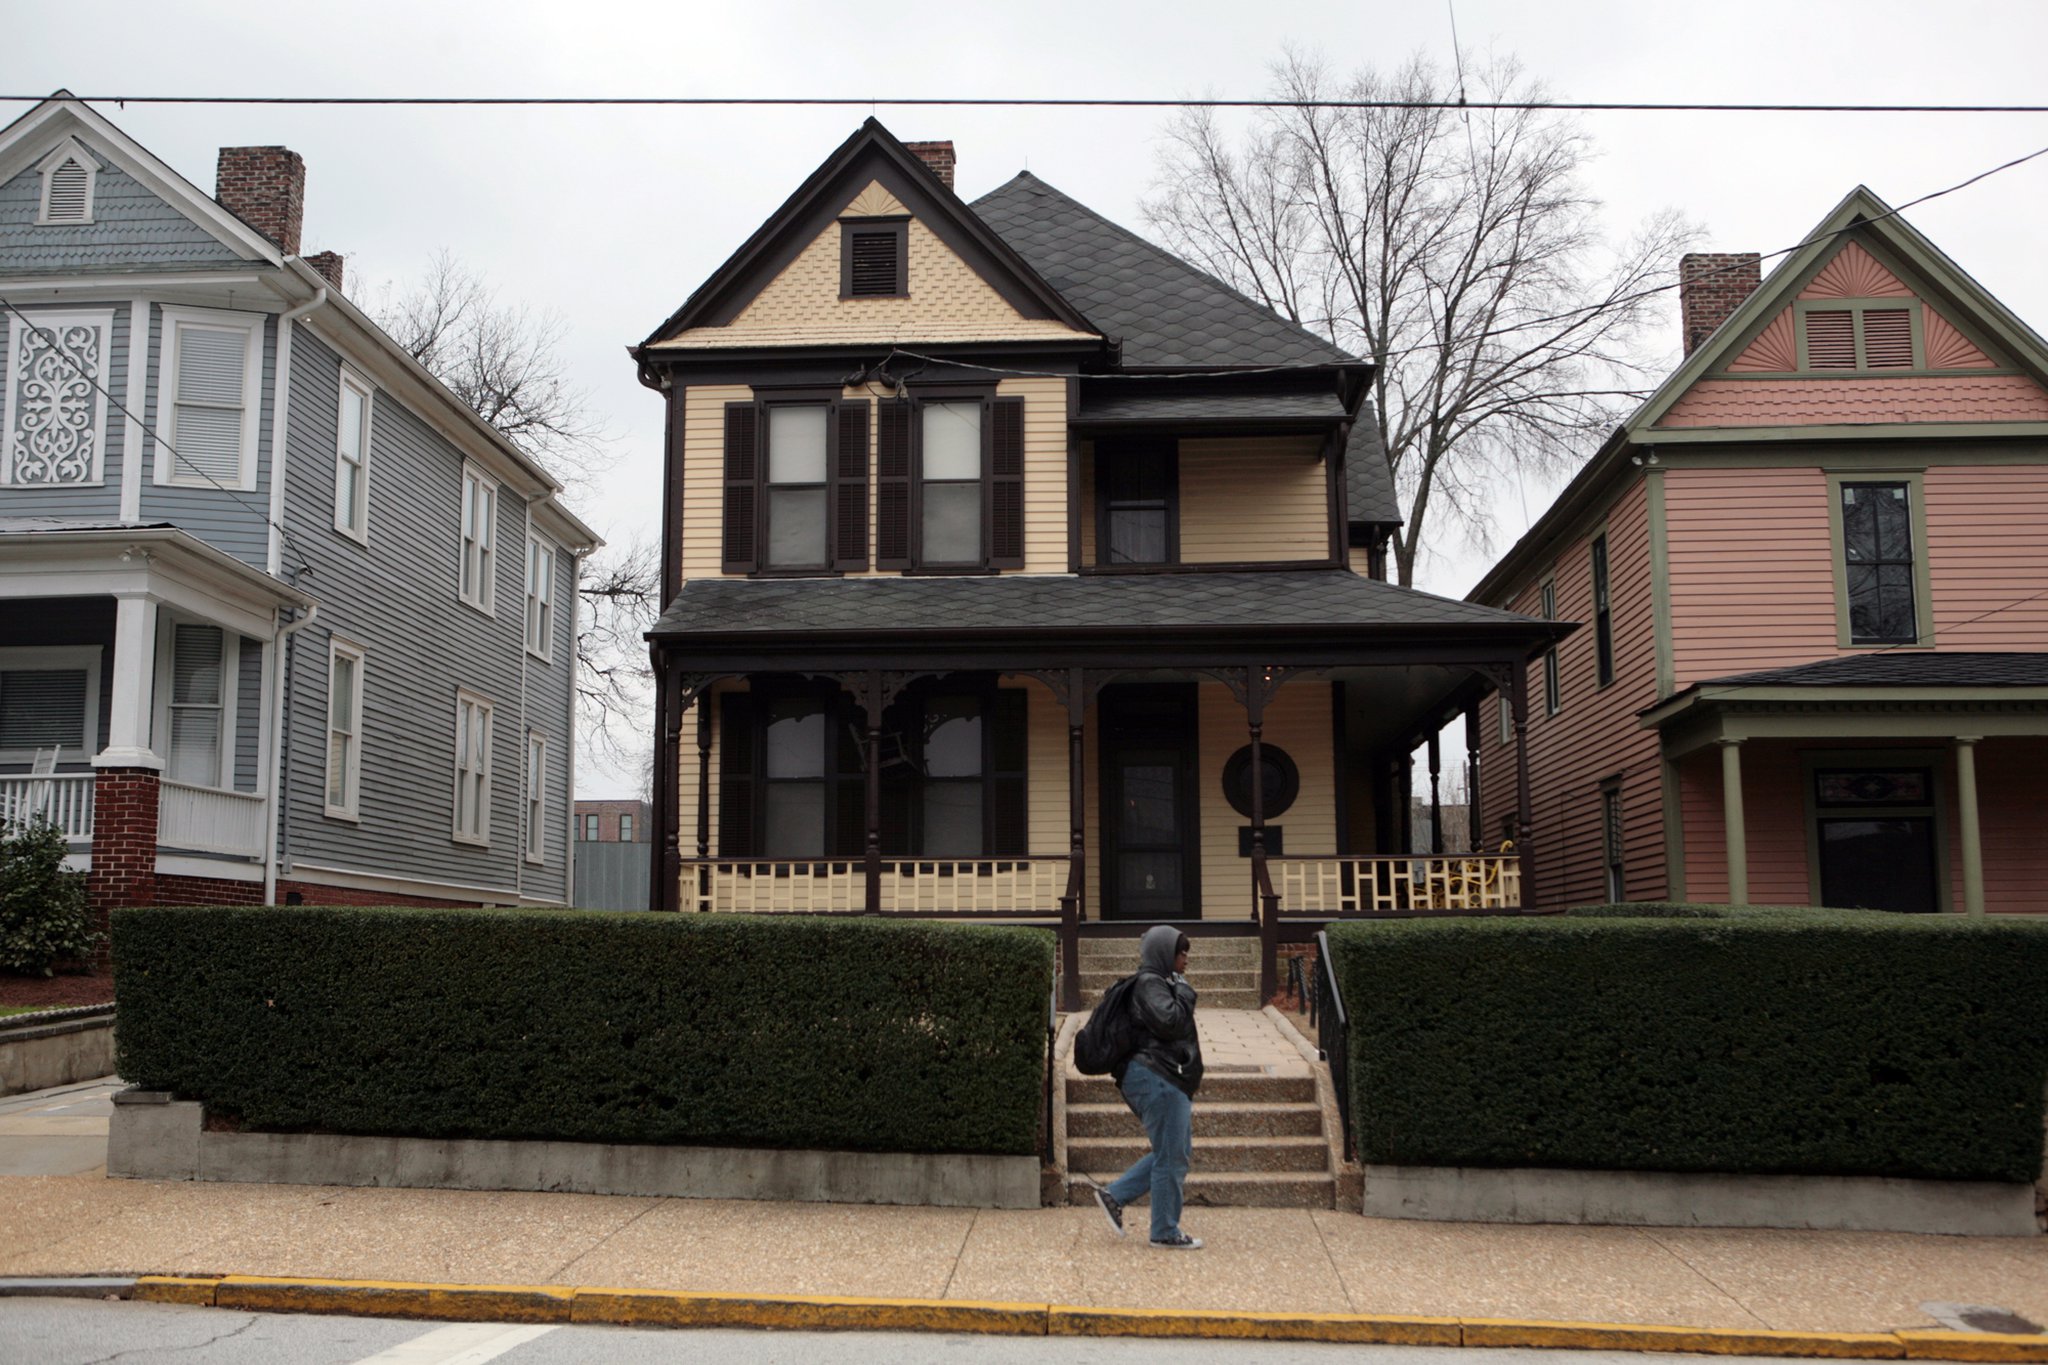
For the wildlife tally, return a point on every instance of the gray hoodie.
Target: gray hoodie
(1165, 1008)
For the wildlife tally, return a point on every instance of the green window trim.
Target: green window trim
(1940, 765)
(1923, 594)
(1856, 308)
(1553, 683)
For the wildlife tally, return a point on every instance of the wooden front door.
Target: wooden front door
(1151, 833)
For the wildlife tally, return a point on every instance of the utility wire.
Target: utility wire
(1025, 102)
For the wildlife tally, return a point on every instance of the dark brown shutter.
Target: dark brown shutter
(736, 776)
(1006, 484)
(1009, 833)
(892, 485)
(850, 487)
(742, 520)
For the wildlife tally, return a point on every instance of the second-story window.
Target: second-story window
(1603, 618)
(1553, 684)
(352, 459)
(950, 483)
(540, 597)
(212, 380)
(479, 540)
(590, 829)
(472, 769)
(796, 486)
(625, 829)
(1136, 514)
(1877, 547)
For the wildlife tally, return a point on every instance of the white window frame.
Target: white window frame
(540, 605)
(473, 766)
(70, 149)
(230, 700)
(352, 778)
(628, 832)
(10, 407)
(251, 325)
(482, 594)
(533, 822)
(353, 521)
(33, 658)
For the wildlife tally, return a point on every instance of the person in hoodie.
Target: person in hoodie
(1159, 1084)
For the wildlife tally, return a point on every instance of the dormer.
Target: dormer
(69, 174)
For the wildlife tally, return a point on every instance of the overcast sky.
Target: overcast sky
(610, 217)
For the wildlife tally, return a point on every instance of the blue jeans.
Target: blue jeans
(1168, 1116)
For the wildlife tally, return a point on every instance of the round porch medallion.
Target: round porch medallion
(1281, 781)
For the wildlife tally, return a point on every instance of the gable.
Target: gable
(946, 299)
(131, 228)
(1868, 325)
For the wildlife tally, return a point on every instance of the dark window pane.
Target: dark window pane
(1137, 535)
(796, 738)
(795, 819)
(952, 819)
(1878, 864)
(1894, 527)
(1148, 815)
(952, 523)
(796, 527)
(1895, 596)
(1859, 523)
(1867, 787)
(952, 746)
(1142, 874)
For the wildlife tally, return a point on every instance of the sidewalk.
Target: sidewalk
(1270, 1260)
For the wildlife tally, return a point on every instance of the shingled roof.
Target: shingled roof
(1920, 668)
(1165, 312)
(1333, 599)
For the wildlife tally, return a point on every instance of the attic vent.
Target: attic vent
(1831, 340)
(873, 260)
(67, 194)
(1887, 339)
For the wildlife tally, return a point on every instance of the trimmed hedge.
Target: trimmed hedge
(588, 1026)
(1688, 1038)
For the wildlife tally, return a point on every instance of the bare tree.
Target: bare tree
(1455, 249)
(504, 362)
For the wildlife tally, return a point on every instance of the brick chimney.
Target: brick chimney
(938, 156)
(1711, 286)
(266, 188)
(329, 266)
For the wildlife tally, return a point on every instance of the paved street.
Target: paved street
(74, 1332)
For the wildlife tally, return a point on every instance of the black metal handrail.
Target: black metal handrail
(1332, 1037)
(1052, 1024)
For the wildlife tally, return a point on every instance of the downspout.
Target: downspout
(281, 651)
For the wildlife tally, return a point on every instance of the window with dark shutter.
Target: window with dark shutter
(952, 458)
(874, 259)
(742, 553)
(1009, 831)
(892, 485)
(1006, 484)
(850, 488)
(798, 464)
(737, 746)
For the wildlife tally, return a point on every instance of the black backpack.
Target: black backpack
(1110, 1038)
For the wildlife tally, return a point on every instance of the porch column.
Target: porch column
(125, 790)
(1404, 799)
(1525, 824)
(1436, 801)
(872, 704)
(1265, 904)
(667, 867)
(703, 797)
(1972, 834)
(1475, 829)
(1731, 821)
(1075, 900)
(133, 700)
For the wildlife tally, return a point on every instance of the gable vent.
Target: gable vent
(874, 267)
(68, 190)
(1831, 341)
(1887, 339)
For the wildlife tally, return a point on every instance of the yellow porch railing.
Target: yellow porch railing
(1329, 888)
(1011, 887)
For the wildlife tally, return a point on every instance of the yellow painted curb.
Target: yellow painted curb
(396, 1299)
(1938, 1345)
(1622, 1336)
(186, 1289)
(662, 1308)
(1169, 1322)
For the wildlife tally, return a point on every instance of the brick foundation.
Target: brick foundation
(175, 890)
(310, 893)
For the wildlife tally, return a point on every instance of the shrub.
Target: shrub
(43, 917)
(1827, 1042)
(589, 1026)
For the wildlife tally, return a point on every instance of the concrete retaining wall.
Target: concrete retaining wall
(1659, 1199)
(154, 1137)
(62, 1051)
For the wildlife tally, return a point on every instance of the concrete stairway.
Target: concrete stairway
(1224, 971)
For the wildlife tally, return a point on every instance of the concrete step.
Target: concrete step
(1211, 1120)
(1217, 1088)
(1209, 1153)
(1235, 1189)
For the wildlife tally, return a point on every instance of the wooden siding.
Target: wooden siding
(131, 229)
(1045, 780)
(1752, 574)
(1594, 736)
(1045, 471)
(1987, 556)
(1298, 721)
(2011, 808)
(1889, 400)
(1253, 498)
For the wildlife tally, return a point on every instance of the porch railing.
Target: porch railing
(65, 799)
(1025, 886)
(208, 820)
(1335, 888)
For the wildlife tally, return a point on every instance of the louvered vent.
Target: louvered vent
(1831, 341)
(67, 194)
(1887, 339)
(874, 267)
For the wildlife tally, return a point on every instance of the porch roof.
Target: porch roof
(1919, 668)
(1160, 404)
(1336, 601)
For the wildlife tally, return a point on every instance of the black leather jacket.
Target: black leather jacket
(1165, 1007)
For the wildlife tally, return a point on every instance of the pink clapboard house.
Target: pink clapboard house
(1811, 573)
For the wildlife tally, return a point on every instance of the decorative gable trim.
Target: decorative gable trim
(70, 176)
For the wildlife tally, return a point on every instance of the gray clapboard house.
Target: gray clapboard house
(280, 618)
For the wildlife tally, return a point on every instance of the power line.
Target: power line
(1029, 102)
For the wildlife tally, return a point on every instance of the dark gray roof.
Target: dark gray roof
(1159, 403)
(1332, 598)
(1163, 310)
(1369, 483)
(1918, 668)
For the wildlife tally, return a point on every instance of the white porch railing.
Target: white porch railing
(65, 798)
(1329, 888)
(909, 886)
(208, 820)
